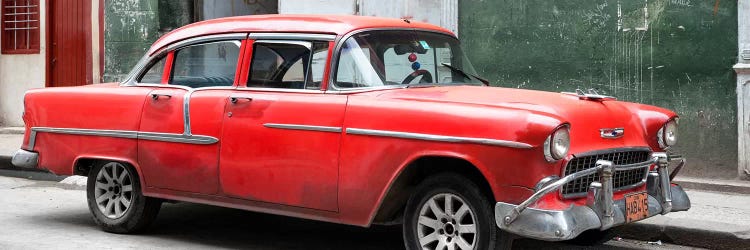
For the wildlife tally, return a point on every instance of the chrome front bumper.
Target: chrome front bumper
(25, 159)
(601, 211)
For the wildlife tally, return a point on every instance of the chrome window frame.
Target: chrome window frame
(292, 36)
(238, 65)
(140, 68)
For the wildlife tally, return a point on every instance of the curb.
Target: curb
(12, 130)
(7, 169)
(730, 186)
(686, 232)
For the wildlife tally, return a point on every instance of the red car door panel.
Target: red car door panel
(282, 148)
(181, 166)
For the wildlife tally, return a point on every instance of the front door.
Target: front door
(69, 46)
(281, 136)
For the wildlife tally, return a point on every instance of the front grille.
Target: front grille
(620, 179)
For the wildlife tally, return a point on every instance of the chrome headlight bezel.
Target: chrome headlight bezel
(667, 134)
(557, 144)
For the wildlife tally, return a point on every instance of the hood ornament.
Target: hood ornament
(611, 133)
(592, 95)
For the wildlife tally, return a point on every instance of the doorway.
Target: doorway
(69, 61)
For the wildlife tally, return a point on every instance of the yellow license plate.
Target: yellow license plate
(636, 206)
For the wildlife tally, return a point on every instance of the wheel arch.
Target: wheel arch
(83, 164)
(400, 188)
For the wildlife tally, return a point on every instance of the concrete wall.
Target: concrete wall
(19, 73)
(676, 54)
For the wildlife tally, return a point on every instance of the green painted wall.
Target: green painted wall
(671, 53)
(130, 28)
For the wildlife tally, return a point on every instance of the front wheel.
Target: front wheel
(448, 211)
(115, 199)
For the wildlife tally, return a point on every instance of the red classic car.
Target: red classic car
(353, 120)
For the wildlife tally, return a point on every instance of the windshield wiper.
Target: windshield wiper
(467, 75)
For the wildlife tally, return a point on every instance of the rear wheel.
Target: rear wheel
(115, 199)
(448, 211)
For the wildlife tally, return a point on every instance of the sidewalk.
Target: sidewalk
(10, 141)
(715, 220)
(718, 219)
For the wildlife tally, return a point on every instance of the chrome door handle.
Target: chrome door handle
(156, 96)
(235, 99)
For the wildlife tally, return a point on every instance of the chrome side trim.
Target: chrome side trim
(98, 132)
(128, 134)
(303, 127)
(439, 138)
(292, 36)
(32, 140)
(185, 99)
(178, 138)
(186, 112)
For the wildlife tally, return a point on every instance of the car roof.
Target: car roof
(338, 25)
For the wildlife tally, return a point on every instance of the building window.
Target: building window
(20, 27)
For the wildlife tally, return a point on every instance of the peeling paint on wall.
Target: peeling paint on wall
(130, 28)
(671, 53)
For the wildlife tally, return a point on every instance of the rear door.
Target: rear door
(282, 133)
(181, 120)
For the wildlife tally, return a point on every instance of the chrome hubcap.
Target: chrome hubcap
(114, 190)
(447, 222)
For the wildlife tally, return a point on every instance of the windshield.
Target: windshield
(395, 57)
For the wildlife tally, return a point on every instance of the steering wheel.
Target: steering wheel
(426, 76)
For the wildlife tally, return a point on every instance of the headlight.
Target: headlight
(557, 144)
(667, 135)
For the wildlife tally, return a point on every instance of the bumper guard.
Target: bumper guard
(601, 211)
(25, 159)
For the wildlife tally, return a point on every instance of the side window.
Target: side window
(155, 72)
(205, 65)
(288, 65)
(318, 63)
(357, 66)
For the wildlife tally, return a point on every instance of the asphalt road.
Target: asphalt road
(45, 214)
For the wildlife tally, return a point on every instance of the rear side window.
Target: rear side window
(155, 72)
(290, 65)
(206, 65)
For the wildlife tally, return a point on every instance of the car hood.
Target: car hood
(559, 105)
(586, 117)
